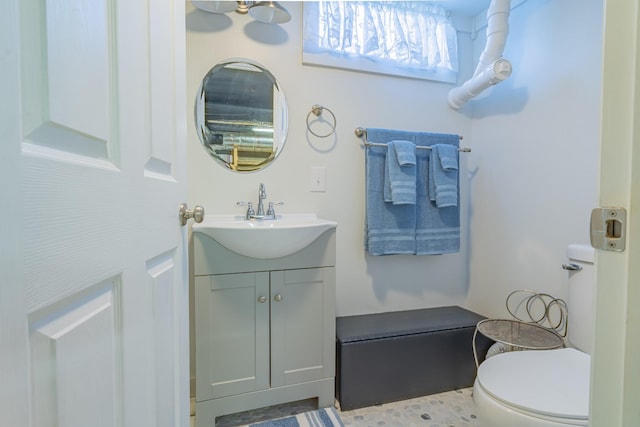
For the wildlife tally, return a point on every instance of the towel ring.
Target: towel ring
(316, 110)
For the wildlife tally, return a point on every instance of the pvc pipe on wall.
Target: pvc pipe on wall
(491, 69)
(497, 31)
(497, 72)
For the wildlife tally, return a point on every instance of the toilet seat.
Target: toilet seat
(548, 383)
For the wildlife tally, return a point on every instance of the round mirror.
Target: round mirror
(241, 115)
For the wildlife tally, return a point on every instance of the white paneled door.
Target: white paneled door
(94, 295)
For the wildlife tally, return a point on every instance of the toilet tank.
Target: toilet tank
(581, 300)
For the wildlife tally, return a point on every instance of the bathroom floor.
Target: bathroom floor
(449, 409)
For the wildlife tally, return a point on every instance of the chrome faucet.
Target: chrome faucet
(262, 194)
(260, 213)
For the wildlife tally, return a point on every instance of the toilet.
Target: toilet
(545, 388)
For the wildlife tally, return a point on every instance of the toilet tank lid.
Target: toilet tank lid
(579, 252)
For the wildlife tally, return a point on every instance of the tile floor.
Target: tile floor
(449, 409)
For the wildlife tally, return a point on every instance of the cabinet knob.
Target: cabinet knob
(278, 297)
(262, 299)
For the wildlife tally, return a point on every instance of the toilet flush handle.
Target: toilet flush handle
(572, 267)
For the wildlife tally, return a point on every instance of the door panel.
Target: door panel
(165, 320)
(67, 60)
(161, 151)
(75, 357)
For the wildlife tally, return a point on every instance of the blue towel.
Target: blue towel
(389, 229)
(423, 228)
(437, 229)
(400, 173)
(443, 175)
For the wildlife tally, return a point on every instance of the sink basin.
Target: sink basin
(264, 238)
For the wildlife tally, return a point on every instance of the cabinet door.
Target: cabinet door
(302, 325)
(232, 334)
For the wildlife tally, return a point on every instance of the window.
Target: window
(407, 38)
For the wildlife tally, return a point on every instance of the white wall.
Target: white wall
(535, 158)
(528, 186)
(365, 284)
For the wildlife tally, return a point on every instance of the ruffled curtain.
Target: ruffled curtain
(405, 33)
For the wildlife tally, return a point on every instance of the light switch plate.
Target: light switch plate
(318, 179)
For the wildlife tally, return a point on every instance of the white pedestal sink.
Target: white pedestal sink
(264, 239)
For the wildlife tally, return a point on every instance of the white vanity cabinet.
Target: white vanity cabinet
(264, 328)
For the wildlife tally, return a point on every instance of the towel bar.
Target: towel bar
(362, 134)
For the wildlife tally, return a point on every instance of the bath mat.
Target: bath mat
(326, 417)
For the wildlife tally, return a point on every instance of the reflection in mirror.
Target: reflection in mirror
(241, 115)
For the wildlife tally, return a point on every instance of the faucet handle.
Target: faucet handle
(249, 205)
(270, 210)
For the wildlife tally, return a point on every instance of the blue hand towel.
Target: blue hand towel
(443, 175)
(400, 173)
(437, 229)
(389, 228)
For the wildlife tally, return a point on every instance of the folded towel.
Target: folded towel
(448, 156)
(443, 175)
(437, 229)
(389, 228)
(400, 173)
(405, 152)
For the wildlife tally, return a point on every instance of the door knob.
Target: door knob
(278, 297)
(262, 299)
(184, 214)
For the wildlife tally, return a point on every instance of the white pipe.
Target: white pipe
(491, 68)
(497, 30)
(497, 72)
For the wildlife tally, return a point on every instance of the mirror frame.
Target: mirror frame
(225, 144)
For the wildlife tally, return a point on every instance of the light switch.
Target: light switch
(318, 178)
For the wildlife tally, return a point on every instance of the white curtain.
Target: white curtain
(408, 34)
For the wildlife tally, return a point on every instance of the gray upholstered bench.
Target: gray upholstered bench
(386, 357)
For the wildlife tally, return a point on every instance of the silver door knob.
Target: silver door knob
(278, 297)
(262, 299)
(185, 214)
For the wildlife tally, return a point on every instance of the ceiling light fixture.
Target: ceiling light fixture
(269, 12)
